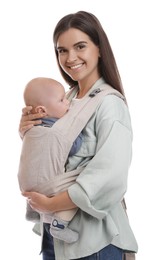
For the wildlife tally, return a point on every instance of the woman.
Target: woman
(86, 61)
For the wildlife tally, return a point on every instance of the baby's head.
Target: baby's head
(46, 95)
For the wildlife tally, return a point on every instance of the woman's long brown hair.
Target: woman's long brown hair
(89, 24)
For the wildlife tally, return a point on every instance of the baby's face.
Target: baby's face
(58, 104)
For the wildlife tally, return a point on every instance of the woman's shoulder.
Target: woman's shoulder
(113, 102)
(113, 108)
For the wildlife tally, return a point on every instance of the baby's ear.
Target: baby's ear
(40, 109)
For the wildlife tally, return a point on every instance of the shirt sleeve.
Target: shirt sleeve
(103, 182)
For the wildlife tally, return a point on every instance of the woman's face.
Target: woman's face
(78, 56)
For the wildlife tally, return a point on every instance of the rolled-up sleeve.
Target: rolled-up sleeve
(103, 182)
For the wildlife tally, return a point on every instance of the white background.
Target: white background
(26, 51)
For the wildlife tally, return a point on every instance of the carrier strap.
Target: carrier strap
(81, 111)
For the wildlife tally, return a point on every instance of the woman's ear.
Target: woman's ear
(40, 109)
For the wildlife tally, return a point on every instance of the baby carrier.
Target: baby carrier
(62, 138)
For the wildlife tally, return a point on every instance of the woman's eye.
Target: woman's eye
(81, 46)
(60, 51)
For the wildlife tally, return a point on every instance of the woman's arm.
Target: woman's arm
(43, 203)
(28, 120)
(103, 182)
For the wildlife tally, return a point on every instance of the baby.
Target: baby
(37, 157)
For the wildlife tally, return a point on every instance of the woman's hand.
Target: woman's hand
(38, 201)
(27, 120)
(42, 203)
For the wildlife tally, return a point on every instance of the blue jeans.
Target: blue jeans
(47, 245)
(110, 252)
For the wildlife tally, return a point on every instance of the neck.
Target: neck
(84, 87)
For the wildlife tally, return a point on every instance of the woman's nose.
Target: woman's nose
(71, 56)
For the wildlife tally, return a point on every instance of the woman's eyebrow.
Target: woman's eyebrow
(80, 42)
(77, 43)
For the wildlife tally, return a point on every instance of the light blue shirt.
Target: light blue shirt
(106, 154)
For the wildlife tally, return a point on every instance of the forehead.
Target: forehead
(71, 37)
